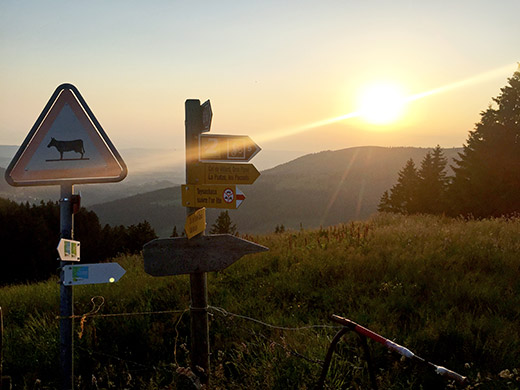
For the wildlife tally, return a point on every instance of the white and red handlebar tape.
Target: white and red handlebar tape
(374, 336)
(443, 371)
(359, 329)
(399, 349)
(396, 347)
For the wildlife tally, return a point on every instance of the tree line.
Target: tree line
(486, 176)
(29, 236)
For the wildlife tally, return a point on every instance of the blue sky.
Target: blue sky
(270, 68)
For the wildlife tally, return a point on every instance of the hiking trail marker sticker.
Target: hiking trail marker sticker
(66, 145)
(74, 275)
(69, 250)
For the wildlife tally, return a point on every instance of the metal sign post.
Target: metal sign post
(66, 294)
(66, 146)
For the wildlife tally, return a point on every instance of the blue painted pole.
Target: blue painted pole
(66, 294)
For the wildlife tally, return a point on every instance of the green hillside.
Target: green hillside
(320, 189)
(447, 289)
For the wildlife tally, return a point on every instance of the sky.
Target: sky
(287, 73)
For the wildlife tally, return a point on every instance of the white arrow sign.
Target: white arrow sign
(68, 250)
(74, 275)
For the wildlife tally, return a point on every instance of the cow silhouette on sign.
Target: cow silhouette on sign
(68, 146)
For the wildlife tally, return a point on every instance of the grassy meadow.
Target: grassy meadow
(447, 289)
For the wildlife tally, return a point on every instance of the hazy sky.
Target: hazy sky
(270, 68)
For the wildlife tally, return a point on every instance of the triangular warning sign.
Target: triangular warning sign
(66, 145)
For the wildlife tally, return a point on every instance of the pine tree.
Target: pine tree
(433, 183)
(138, 235)
(403, 195)
(279, 229)
(223, 225)
(174, 232)
(385, 203)
(487, 175)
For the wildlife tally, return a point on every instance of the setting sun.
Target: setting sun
(381, 103)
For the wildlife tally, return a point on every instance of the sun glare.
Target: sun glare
(381, 104)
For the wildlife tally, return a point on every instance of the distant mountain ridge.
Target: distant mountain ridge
(148, 170)
(318, 189)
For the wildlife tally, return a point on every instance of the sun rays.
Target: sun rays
(375, 110)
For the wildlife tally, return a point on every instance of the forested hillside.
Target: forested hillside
(315, 190)
(486, 178)
(29, 235)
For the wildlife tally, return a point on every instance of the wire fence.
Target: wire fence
(245, 323)
(222, 313)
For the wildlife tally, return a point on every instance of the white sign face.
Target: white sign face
(92, 273)
(69, 250)
(227, 147)
(66, 144)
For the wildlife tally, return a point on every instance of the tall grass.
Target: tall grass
(447, 289)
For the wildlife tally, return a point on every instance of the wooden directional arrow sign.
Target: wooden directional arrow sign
(223, 173)
(177, 256)
(92, 273)
(212, 196)
(221, 147)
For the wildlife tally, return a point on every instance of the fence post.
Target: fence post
(1, 345)
(5, 381)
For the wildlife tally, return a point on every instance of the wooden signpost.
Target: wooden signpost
(212, 171)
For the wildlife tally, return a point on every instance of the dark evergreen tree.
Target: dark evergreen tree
(30, 234)
(433, 183)
(138, 235)
(87, 230)
(385, 203)
(174, 232)
(403, 195)
(279, 229)
(487, 175)
(223, 225)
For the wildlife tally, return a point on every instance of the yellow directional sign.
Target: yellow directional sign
(223, 173)
(226, 147)
(212, 196)
(195, 223)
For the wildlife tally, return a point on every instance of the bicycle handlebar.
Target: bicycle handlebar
(443, 371)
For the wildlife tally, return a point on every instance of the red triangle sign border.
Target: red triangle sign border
(90, 158)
